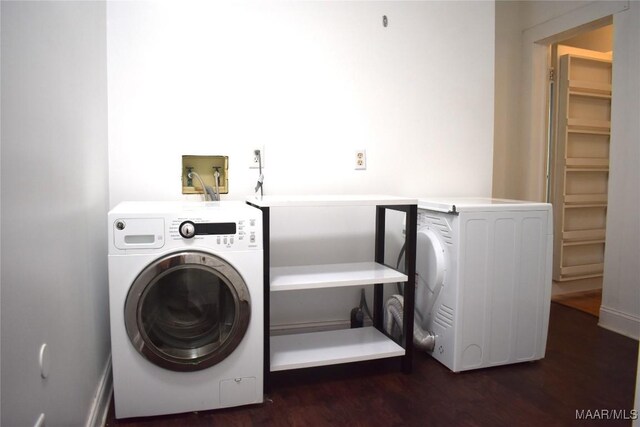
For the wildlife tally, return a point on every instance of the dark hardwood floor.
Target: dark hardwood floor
(588, 301)
(586, 367)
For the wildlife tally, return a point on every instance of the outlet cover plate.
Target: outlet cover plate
(361, 160)
(253, 159)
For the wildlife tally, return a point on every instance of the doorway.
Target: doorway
(579, 126)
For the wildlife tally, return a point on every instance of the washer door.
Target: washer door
(187, 311)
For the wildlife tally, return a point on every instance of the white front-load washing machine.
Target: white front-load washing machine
(484, 279)
(186, 306)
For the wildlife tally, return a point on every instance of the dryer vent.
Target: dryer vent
(394, 309)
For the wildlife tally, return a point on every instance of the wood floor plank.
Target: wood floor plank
(586, 367)
(587, 301)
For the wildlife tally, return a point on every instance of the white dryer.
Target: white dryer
(484, 279)
(186, 305)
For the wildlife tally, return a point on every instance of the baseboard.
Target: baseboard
(622, 323)
(574, 286)
(102, 398)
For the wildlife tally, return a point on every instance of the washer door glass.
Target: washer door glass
(187, 311)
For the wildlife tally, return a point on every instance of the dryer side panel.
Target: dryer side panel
(504, 266)
(474, 291)
(531, 286)
(502, 288)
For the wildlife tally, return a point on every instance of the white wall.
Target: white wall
(54, 203)
(546, 22)
(312, 81)
(620, 309)
(508, 180)
(536, 12)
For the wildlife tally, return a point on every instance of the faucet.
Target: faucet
(216, 182)
(189, 176)
(260, 176)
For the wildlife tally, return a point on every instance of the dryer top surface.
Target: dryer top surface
(478, 204)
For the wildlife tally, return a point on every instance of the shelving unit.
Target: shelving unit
(285, 352)
(332, 275)
(581, 167)
(330, 348)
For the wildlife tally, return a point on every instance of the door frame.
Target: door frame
(535, 66)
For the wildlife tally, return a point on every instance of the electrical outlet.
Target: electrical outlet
(253, 163)
(361, 159)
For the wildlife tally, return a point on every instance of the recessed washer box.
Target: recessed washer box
(205, 166)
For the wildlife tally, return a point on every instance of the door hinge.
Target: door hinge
(552, 74)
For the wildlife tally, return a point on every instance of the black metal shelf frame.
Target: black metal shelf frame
(411, 212)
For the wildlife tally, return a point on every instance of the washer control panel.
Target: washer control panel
(231, 235)
(187, 229)
(144, 227)
(138, 233)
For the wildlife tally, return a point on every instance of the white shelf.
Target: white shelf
(332, 275)
(330, 348)
(329, 200)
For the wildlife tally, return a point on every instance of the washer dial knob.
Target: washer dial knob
(187, 229)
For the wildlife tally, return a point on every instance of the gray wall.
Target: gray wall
(54, 204)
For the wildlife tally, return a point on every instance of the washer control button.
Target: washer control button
(187, 229)
(231, 240)
(225, 240)
(252, 238)
(218, 240)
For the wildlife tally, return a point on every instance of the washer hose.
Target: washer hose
(206, 190)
